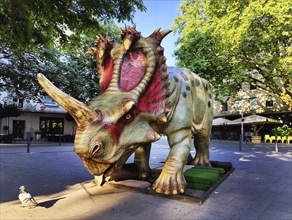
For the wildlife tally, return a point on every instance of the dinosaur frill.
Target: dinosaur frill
(136, 66)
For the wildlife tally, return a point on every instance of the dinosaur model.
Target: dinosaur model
(140, 99)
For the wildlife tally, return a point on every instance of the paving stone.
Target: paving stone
(259, 188)
(268, 214)
(280, 206)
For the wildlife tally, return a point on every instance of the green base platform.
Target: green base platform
(201, 181)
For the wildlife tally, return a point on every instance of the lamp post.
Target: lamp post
(241, 129)
(241, 121)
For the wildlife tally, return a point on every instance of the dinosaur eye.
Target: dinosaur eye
(128, 117)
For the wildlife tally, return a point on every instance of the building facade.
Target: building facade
(41, 120)
(250, 100)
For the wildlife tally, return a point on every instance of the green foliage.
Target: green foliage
(225, 40)
(8, 111)
(51, 37)
(285, 130)
(28, 24)
(71, 72)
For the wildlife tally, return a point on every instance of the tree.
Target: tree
(51, 37)
(29, 24)
(8, 111)
(71, 70)
(227, 41)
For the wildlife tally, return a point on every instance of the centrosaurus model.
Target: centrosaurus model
(140, 100)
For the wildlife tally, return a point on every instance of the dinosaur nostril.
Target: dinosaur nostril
(95, 149)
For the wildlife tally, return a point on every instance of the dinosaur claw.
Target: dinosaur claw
(174, 192)
(166, 192)
(158, 190)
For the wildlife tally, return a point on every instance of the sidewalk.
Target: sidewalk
(259, 188)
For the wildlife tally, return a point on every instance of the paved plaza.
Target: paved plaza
(259, 187)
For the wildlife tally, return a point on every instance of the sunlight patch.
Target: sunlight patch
(244, 159)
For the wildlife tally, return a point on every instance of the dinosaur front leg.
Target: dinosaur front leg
(141, 159)
(171, 179)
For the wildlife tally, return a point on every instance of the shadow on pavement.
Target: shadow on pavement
(50, 203)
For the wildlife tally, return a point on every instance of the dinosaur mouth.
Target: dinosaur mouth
(119, 164)
(96, 168)
(93, 167)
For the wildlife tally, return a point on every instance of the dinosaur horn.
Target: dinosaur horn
(159, 35)
(82, 114)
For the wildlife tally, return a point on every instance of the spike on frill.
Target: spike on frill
(155, 38)
(130, 33)
(159, 35)
(103, 44)
(101, 52)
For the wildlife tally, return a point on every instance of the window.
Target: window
(269, 102)
(253, 103)
(18, 102)
(253, 85)
(238, 104)
(51, 125)
(224, 106)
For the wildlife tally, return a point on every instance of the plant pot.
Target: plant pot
(256, 139)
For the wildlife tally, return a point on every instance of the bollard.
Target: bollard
(59, 137)
(27, 142)
(241, 133)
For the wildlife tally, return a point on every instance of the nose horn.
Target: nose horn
(82, 114)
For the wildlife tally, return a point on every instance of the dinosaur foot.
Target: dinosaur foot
(144, 175)
(201, 160)
(170, 184)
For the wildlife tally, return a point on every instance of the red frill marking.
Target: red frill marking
(108, 73)
(153, 98)
(132, 70)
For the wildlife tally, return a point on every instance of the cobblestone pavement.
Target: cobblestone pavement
(259, 188)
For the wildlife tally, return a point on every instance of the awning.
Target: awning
(254, 119)
(220, 121)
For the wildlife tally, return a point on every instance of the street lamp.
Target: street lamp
(241, 130)
(241, 121)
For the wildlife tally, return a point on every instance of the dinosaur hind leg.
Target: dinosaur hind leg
(202, 142)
